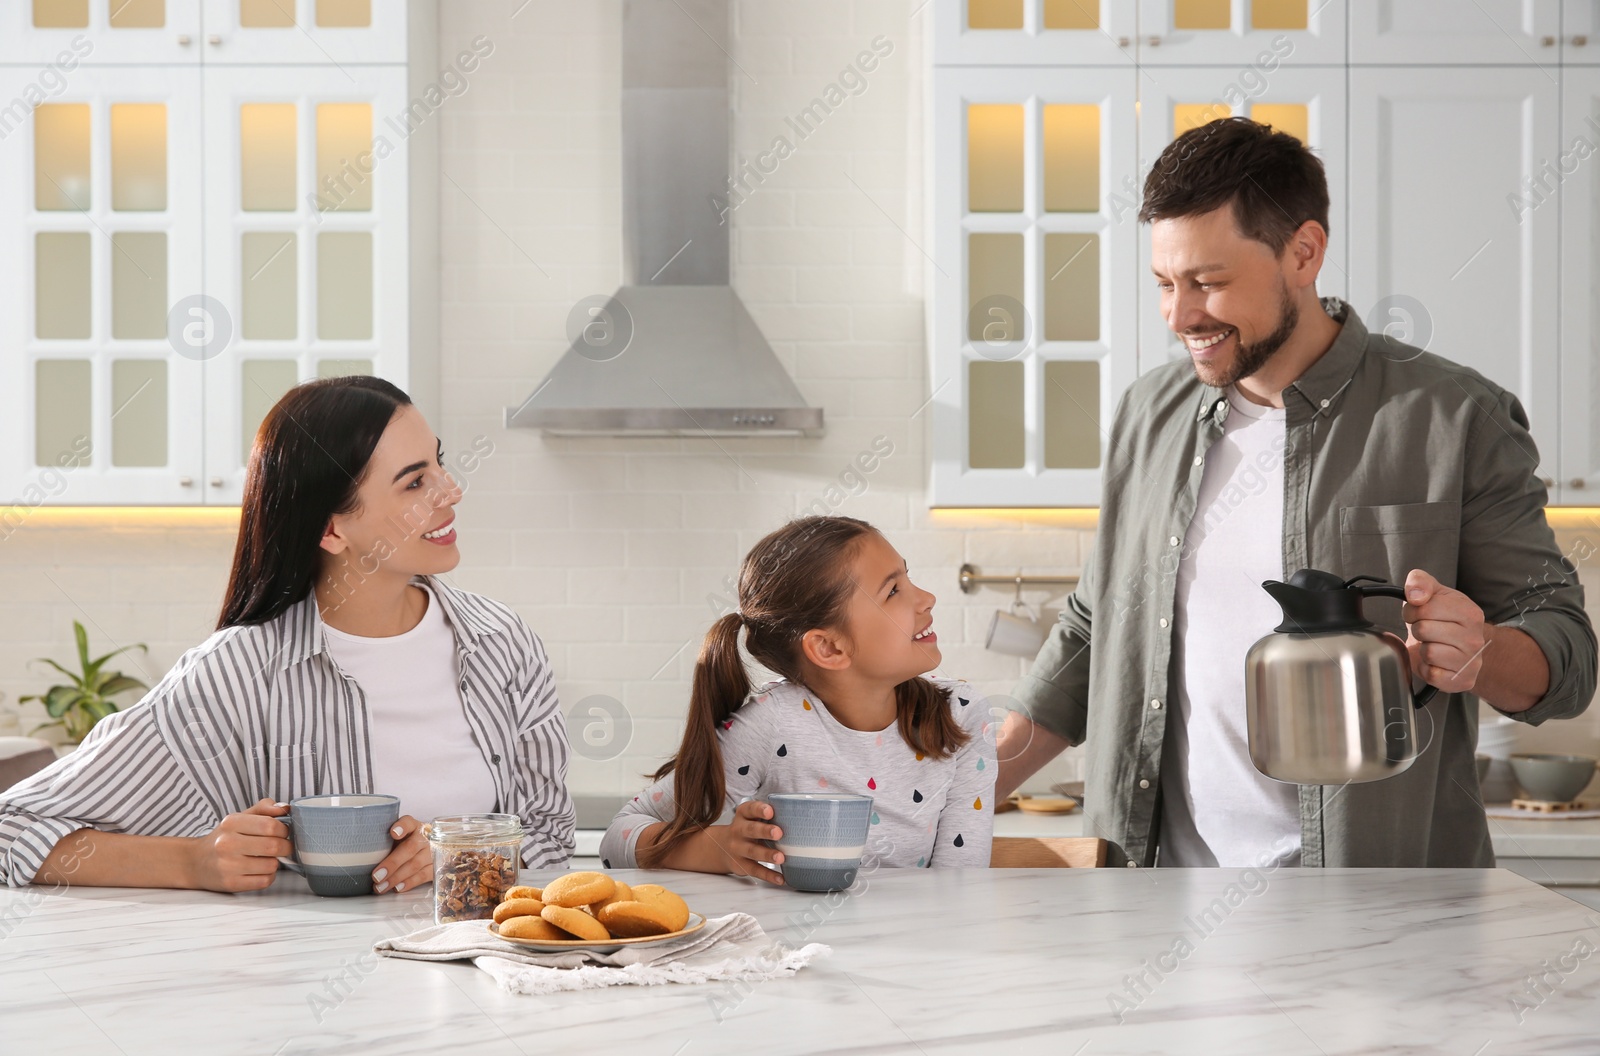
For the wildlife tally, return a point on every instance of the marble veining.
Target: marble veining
(968, 961)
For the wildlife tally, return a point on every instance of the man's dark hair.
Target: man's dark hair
(1273, 182)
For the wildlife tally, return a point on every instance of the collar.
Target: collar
(306, 639)
(1322, 383)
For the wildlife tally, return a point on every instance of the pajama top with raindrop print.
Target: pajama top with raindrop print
(925, 811)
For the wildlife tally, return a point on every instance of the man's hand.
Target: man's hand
(1446, 635)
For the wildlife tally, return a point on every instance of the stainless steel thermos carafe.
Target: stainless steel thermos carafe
(1328, 695)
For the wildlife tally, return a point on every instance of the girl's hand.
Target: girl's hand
(241, 853)
(410, 863)
(740, 842)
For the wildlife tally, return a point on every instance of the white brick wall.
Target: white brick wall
(610, 548)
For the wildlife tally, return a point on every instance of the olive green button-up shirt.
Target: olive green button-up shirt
(1395, 459)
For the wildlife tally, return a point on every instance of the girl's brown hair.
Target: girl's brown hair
(795, 580)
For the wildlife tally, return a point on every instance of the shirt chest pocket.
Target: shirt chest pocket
(289, 770)
(1390, 541)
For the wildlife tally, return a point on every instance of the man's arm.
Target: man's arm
(1024, 747)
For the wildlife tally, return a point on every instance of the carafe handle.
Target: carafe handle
(1389, 590)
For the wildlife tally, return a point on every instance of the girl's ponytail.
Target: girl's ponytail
(721, 685)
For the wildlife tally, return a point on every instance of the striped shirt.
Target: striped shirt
(263, 711)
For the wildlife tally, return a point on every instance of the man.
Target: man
(1292, 439)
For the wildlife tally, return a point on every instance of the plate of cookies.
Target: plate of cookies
(592, 911)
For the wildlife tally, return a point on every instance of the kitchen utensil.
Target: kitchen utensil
(339, 839)
(1328, 695)
(824, 836)
(1552, 778)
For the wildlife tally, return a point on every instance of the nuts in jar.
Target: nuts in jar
(475, 859)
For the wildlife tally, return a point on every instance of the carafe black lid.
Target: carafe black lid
(1315, 601)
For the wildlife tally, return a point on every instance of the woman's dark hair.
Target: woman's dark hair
(309, 458)
(1273, 182)
(795, 580)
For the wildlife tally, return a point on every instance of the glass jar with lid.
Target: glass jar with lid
(475, 860)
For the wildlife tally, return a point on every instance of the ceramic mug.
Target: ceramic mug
(1017, 635)
(339, 839)
(824, 836)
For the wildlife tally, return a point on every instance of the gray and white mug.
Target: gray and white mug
(339, 839)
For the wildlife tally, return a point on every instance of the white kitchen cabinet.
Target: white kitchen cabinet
(1436, 254)
(1241, 33)
(1033, 32)
(306, 242)
(1568, 180)
(1032, 312)
(99, 233)
(1308, 103)
(271, 140)
(55, 36)
(1425, 32)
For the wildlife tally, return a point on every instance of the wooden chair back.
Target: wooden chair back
(1047, 852)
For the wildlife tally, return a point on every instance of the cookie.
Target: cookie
(634, 920)
(523, 891)
(517, 907)
(533, 928)
(621, 894)
(577, 889)
(676, 910)
(575, 921)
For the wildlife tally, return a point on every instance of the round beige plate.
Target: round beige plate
(696, 922)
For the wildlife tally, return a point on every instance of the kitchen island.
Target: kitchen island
(1092, 961)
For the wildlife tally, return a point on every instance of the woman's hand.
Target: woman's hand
(241, 853)
(410, 863)
(738, 845)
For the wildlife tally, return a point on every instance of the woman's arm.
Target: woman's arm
(240, 854)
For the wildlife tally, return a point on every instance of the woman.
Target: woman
(341, 663)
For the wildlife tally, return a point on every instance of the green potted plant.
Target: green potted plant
(77, 706)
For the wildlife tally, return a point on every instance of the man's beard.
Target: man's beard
(1251, 358)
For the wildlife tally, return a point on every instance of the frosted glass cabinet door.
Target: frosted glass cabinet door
(1482, 293)
(306, 250)
(1032, 325)
(1243, 34)
(1306, 103)
(305, 31)
(1425, 32)
(58, 36)
(1579, 476)
(1011, 32)
(101, 407)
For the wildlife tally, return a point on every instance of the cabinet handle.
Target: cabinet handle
(1155, 42)
(1547, 42)
(1575, 482)
(1548, 482)
(183, 40)
(1123, 42)
(214, 40)
(216, 482)
(1579, 41)
(185, 482)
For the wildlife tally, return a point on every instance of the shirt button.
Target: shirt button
(1173, 541)
(1163, 621)
(1324, 403)
(1144, 782)
(1156, 704)
(494, 759)
(1133, 865)
(1199, 459)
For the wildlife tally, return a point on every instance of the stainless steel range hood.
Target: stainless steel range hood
(673, 352)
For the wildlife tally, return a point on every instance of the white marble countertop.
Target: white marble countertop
(965, 961)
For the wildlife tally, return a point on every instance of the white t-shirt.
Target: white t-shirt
(423, 750)
(1217, 809)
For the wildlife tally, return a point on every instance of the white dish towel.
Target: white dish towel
(730, 947)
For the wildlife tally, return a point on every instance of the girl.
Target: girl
(825, 602)
(341, 663)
